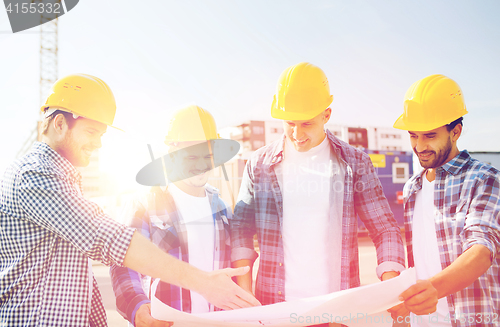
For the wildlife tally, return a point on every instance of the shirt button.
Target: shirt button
(281, 264)
(279, 292)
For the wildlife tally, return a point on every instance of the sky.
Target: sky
(226, 56)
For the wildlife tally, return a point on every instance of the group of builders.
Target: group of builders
(300, 195)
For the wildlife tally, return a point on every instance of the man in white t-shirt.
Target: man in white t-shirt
(186, 218)
(452, 212)
(302, 196)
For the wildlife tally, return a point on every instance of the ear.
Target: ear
(327, 115)
(59, 123)
(456, 132)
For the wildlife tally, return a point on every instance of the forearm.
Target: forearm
(468, 267)
(215, 286)
(128, 290)
(146, 258)
(389, 274)
(244, 281)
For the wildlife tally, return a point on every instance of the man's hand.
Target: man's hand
(420, 298)
(216, 286)
(222, 292)
(143, 318)
(399, 312)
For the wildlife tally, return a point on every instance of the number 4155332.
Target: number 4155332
(41, 8)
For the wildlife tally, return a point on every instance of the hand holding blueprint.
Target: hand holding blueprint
(361, 306)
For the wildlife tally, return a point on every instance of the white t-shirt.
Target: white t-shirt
(426, 252)
(306, 178)
(197, 216)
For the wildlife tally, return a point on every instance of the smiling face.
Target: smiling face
(78, 142)
(192, 164)
(306, 134)
(436, 147)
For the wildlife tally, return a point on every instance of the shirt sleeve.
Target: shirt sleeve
(374, 210)
(482, 221)
(128, 290)
(243, 221)
(50, 201)
(127, 283)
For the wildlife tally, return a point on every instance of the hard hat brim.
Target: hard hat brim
(416, 127)
(117, 128)
(153, 174)
(284, 115)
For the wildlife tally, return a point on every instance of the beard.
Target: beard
(73, 151)
(440, 157)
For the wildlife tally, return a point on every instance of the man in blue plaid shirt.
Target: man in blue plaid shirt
(302, 196)
(452, 212)
(49, 231)
(187, 219)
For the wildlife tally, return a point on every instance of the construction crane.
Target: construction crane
(48, 67)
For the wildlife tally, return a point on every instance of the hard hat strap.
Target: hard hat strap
(49, 111)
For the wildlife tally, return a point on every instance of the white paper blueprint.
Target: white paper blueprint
(361, 306)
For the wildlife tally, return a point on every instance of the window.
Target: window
(258, 130)
(391, 148)
(390, 136)
(358, 137)
(400, 172)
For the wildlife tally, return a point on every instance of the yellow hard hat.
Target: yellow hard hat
(191, 123)
(302, 93)
(83, 95)
(430, 103)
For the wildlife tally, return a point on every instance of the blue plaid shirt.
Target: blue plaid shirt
(47, 233)
(259, 210)
(467, 206)
(156, 217)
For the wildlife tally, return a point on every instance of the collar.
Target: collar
(454, 166)
(59, 161)
(278, 153)
(457, 163)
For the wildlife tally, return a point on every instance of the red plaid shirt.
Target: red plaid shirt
(259, 210)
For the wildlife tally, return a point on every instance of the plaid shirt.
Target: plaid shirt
(259, 210)
(467, 209)
(156, 217)
(47, 233)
